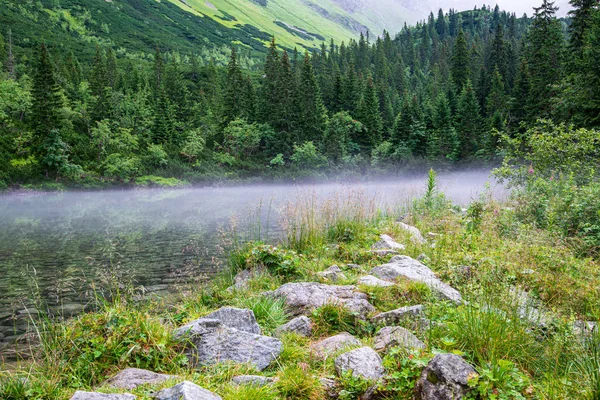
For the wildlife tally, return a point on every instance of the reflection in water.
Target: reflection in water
(62, 246)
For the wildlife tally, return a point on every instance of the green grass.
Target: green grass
(515, 359)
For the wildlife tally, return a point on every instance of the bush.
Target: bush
(307, 157)
(276, 260)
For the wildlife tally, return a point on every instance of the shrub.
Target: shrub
(405, 369)
(276, 260)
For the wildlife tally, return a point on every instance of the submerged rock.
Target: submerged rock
(333, 344)
(131, 378)
(411, 269)
(363, 362)
(186, 391)
(396, 336)
(304, 297)
(445, 378)
(210, 341)
(79, 395)
(300, 325)
(387, 243)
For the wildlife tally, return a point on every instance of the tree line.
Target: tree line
(442, 90)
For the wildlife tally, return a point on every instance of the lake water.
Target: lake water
(62, 248)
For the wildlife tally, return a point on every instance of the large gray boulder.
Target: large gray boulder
(240, 319)
(411, 269)
(396, 336)
(208, 341)
(79, 395)
(328, 346)
(370, 280)
(131, 378)
(445, 378)
(387, 243)
(415, 233)
(303, 297)
(364, 362)
(399, 316)
(299, 325)
(186, 391)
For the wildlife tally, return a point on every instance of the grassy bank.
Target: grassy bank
(486, 252)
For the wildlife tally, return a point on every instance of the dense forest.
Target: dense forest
(451, 89)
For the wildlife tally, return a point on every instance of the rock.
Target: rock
(584, 328)
(240, 319)
(300, 325)
(398, 315)
(333, 274)
(415, 233)
(423, 258)
(396, 336)
(1, 336)
(252, 380)
(79, 395)
(327, 347)
(411, 269)
(131, 378)
(383, 253)
(370, 280)
(387, 243)
(304, 297)
(186, 391)
(445, 378)
(70, 309)
(330, 387)
(353, 267)
(209, 341)
(363, 362)
(241, 279)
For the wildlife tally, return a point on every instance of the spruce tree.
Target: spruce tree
(46, 102)
(496, 101)
(98, 87)
(581, 20)
(112, 73)
(544, 54)
(271, 86)
(443, 141)
(468, 121)
(233, 106)
(370, 116)
(460, 62)
(311, 111)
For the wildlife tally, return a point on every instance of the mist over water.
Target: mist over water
(56, 245)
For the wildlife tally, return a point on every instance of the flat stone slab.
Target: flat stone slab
(186, 391)
(333, 344)
(363, 362)
(396, 336)
(411, 269)
(332, 274)
(79, 395)
(299, 325)
(131, 378)
(373, 281)
(303, 297)
(399, 315)
(208, 341)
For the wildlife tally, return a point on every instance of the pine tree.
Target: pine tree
(581, 20)
(496, 101)
(498, 56)
(3, 53)
(98, 86)
(370, 116)
(233, 106)
(460, 62)
(162, 130)
(544, 54)
(443, 141)
(350, 91)
(47, 102)
(311, 111)
(468, 121)
(441, 26)
(10, 58)
(159, 71)
(271, 86)
(112, 73)
(520, 109)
